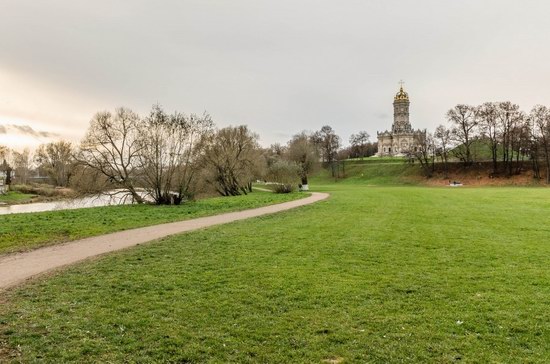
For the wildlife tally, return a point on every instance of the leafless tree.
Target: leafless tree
(540, 119)
(489, 125)
(328, 143)
(359, 142)
(112, 147)
(442, 143)
(464, 121)
(273, 153)
(424, 152)
(510, 120)
(232, 157)
(22, 163)
(170, 148)
(5, 165)
(57, 160)
(302, 151)
(4, 152)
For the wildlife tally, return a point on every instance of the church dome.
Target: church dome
(401, 95)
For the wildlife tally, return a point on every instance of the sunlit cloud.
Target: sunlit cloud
(26, 130)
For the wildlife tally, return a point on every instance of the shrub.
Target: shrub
(285, 174)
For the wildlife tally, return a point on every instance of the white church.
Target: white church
(402, 138)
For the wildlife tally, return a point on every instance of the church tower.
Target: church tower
(401, 104)
(402, 139)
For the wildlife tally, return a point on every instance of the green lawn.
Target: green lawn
(374, 274)
(20, 232)
(13, 197)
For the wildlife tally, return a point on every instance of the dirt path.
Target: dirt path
(17, 268)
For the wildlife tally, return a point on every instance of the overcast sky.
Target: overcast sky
(279, 66)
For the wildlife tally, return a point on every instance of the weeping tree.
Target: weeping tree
(302, 150)
(56, 159)
(233, 159)
(171, 146)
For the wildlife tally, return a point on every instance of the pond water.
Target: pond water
(77, 203)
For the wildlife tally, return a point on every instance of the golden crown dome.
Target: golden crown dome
(401, 95)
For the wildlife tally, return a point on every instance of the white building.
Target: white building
(402, 138)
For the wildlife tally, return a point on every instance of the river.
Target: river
(77, 203)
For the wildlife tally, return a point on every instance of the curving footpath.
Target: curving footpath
(16, 268)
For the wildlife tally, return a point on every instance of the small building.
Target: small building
(402, 138)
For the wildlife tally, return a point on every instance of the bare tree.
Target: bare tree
(112, 147)
(328, 143)
(4, 152)
(22, 163)
(540, 118)
(301, 150)
(359, 143)
(232, 157)
(489, 125)
(5, 166)
(424, 152)
(274, 153)
(464, 121)
(442, 144)
(170, 149)
(195, 140)
(56, 159)
(509, 118)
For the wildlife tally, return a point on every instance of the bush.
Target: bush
(285, 174)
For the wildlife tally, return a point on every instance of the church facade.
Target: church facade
(402, 138)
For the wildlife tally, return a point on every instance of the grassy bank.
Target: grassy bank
(374, 274)
(372, 171)
(20, 232)
(15, 197)
(397, 171)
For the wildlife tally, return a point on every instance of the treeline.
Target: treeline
(170, 158)
(511, 136)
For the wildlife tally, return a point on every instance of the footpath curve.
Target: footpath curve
(17, 268)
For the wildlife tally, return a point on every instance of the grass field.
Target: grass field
(19, 232)
(374, 274)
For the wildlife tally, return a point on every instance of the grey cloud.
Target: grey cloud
(279, 65)
(26, 130)
(382, 116)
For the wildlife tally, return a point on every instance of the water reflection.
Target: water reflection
(77, 203)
